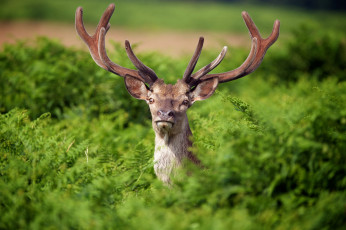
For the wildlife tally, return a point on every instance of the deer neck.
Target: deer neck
(171, 147)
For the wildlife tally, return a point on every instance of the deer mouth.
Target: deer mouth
(164, 124)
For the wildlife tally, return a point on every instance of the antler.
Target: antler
(96, 44)
(259, 47)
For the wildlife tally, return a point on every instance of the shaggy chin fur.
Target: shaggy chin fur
(171, 148)
(164, 126)
(169, 152)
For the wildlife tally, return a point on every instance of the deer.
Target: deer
(168, 104)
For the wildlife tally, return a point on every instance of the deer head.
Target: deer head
(168, 103)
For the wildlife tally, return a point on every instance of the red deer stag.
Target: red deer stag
(168, 103)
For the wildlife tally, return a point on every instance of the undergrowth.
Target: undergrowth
(76, 151)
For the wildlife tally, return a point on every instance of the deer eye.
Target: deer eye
(151, 100)
(186, 102)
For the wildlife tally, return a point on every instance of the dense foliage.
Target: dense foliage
(311, 53)
(48, 77)
(76, 151)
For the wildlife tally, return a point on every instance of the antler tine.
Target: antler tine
(92, 41)
(111, 66)
(96, 44)
(144, 71)
(239, 72)
(193, 61)
(259, 48)
(206, 69)
(264, 44)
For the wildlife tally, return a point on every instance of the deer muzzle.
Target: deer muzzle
(165, 119)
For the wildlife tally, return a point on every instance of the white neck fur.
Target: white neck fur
(169, 153)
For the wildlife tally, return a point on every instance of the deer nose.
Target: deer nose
(165, 114)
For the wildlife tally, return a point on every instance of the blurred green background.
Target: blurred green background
(184, 15)
(76, 150)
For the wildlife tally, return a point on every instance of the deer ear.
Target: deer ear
(136, 87)
(204, 89)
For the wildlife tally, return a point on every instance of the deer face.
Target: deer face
(168, 103)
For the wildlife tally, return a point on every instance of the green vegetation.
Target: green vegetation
(153, 15)
(76, 151)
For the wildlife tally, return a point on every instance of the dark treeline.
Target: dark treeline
(339, 5)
